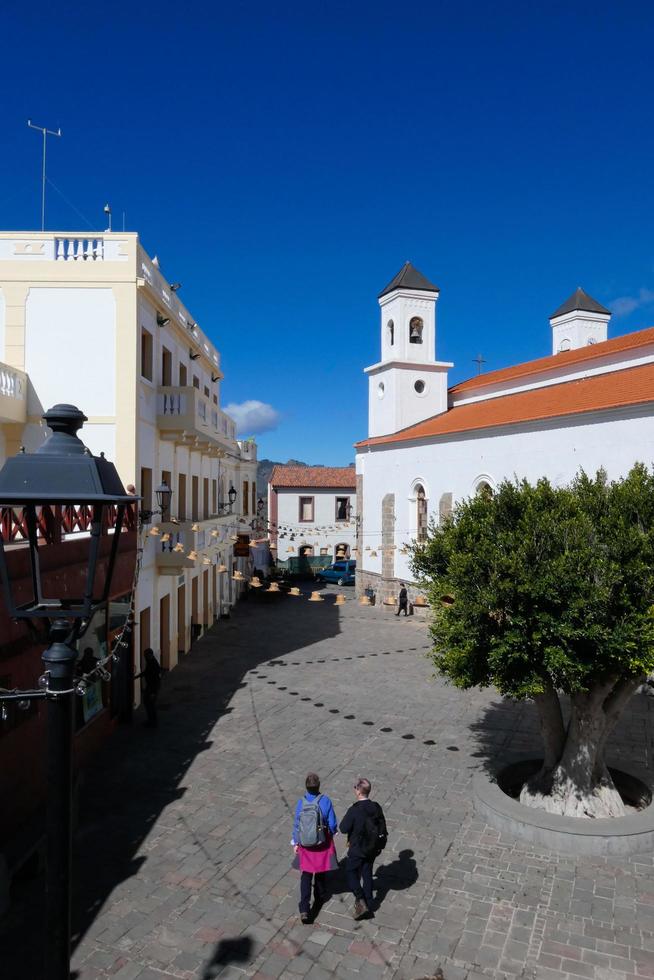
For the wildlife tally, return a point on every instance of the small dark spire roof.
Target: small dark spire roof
(409, 278)
(580, 301)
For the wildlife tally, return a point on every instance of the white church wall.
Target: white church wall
(457, 464)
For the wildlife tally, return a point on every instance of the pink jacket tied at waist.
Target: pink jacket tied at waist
(320, 858)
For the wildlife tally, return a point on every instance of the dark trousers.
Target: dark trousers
(403, 605)
(150, 705)
(305, 889)
(359, 878)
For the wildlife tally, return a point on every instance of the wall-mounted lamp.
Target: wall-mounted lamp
(215, 377)
(162, 320)
(174, 286)
(193, 356)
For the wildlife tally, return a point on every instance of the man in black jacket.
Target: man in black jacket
(365, 828)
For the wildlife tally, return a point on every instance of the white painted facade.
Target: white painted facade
(450, 467)
(93, 322)
(408, 384)
(325, 533)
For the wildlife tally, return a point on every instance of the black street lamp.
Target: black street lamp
(163, 493)
(62, 475)
(233, 493)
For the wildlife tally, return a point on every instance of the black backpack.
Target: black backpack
(373, 835)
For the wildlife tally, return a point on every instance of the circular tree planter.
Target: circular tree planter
(495, 800)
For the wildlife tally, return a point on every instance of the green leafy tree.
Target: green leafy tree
(544, 592)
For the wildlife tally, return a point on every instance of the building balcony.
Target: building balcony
(13, 395)
(248, 450)
(188, 416)
(204, 538)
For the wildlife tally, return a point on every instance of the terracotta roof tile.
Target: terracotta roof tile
(614, 389)
(627, 342)
(314, 476)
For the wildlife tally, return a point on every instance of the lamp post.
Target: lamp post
(62, 474)
(163, 493)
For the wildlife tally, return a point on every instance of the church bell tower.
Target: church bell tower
(408, 385)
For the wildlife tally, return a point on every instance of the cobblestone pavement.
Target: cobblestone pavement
(183, 863)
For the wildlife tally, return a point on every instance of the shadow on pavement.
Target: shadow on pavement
(137, 773)
(228, 951)
(392, 876)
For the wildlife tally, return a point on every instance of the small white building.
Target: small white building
(590, 404)
(312, 511)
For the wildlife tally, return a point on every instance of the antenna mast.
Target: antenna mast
(46, 133)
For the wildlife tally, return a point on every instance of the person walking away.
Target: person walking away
(403, 600)
(314, 827)
(151, 675)
(365, 826)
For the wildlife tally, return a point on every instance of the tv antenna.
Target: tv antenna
(46, 133)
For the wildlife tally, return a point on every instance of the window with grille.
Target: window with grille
(342, 508)
(421, 505)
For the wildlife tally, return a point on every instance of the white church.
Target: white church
(590, 404)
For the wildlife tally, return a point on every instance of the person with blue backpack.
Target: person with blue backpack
(314, 827)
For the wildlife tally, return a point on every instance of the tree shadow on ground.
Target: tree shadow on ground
(228, 951)
(508, 731)
(505, 732)
(138, 772)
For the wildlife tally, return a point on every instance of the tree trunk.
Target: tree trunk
(574, 780)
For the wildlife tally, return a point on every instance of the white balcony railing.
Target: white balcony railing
(13, 395)
(12, 383)
(193, 410)
(79, 249)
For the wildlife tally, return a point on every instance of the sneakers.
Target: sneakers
(305, 918)
(360, 909)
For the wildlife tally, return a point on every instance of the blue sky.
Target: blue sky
(283, 161)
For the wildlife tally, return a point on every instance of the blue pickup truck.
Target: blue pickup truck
(341, 572)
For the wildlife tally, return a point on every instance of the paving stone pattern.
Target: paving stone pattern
(183, 864)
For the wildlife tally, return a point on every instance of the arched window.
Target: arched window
(415, 330)
(391, 332)
(564, 345)
(484, 488)
(421, 513)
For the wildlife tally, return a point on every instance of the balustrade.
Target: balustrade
(11, 383)
(54, 521)
(79, 249)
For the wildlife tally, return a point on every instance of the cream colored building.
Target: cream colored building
(91, 320)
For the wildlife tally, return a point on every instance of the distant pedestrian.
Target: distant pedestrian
(151, 675)
(314, 827)
(365, 826)
(403, 601)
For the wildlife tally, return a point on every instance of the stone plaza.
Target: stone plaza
(183, 857)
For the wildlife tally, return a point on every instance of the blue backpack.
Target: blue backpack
(311, 827)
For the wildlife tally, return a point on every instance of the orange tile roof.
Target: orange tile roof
(627, 342)
(629, 386)
(314, 476)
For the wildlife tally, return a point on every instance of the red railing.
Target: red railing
(55, 521)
